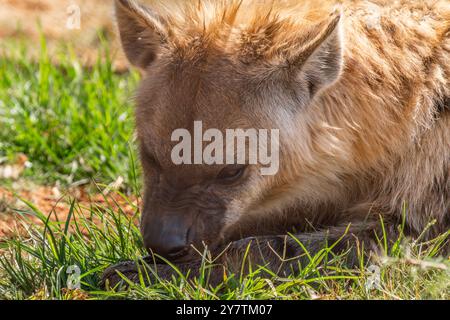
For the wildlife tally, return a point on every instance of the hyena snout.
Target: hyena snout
(178, 235)
(167, 234)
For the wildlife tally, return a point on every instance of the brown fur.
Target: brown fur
(362, 110)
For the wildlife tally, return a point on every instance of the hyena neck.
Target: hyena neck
(367, 131)
(383, 107)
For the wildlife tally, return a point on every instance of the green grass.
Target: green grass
(75, 124)
(72, 123)
(34, 266)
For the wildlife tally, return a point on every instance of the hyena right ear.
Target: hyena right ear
(142, 32)
(319, 62)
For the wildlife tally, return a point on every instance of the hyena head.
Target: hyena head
(215, 64)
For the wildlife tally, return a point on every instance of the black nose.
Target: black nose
(167, 236)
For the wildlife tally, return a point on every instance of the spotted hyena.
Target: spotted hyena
(360, 93)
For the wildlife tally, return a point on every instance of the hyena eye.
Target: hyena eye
(231, 173)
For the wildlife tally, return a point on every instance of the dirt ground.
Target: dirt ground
(58, 22)
(53, 200)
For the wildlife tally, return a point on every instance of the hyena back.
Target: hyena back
(360, 93)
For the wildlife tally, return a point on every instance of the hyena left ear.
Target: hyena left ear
(319, 61)
(142, 32)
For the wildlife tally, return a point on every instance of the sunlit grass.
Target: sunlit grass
(34, 265)
(73, 123)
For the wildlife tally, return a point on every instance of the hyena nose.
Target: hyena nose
(167, 237)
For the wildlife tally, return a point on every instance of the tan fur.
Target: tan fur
(377, 126)
(372, 141)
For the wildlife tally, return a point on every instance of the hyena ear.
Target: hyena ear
(319, 62)
(142, 32)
